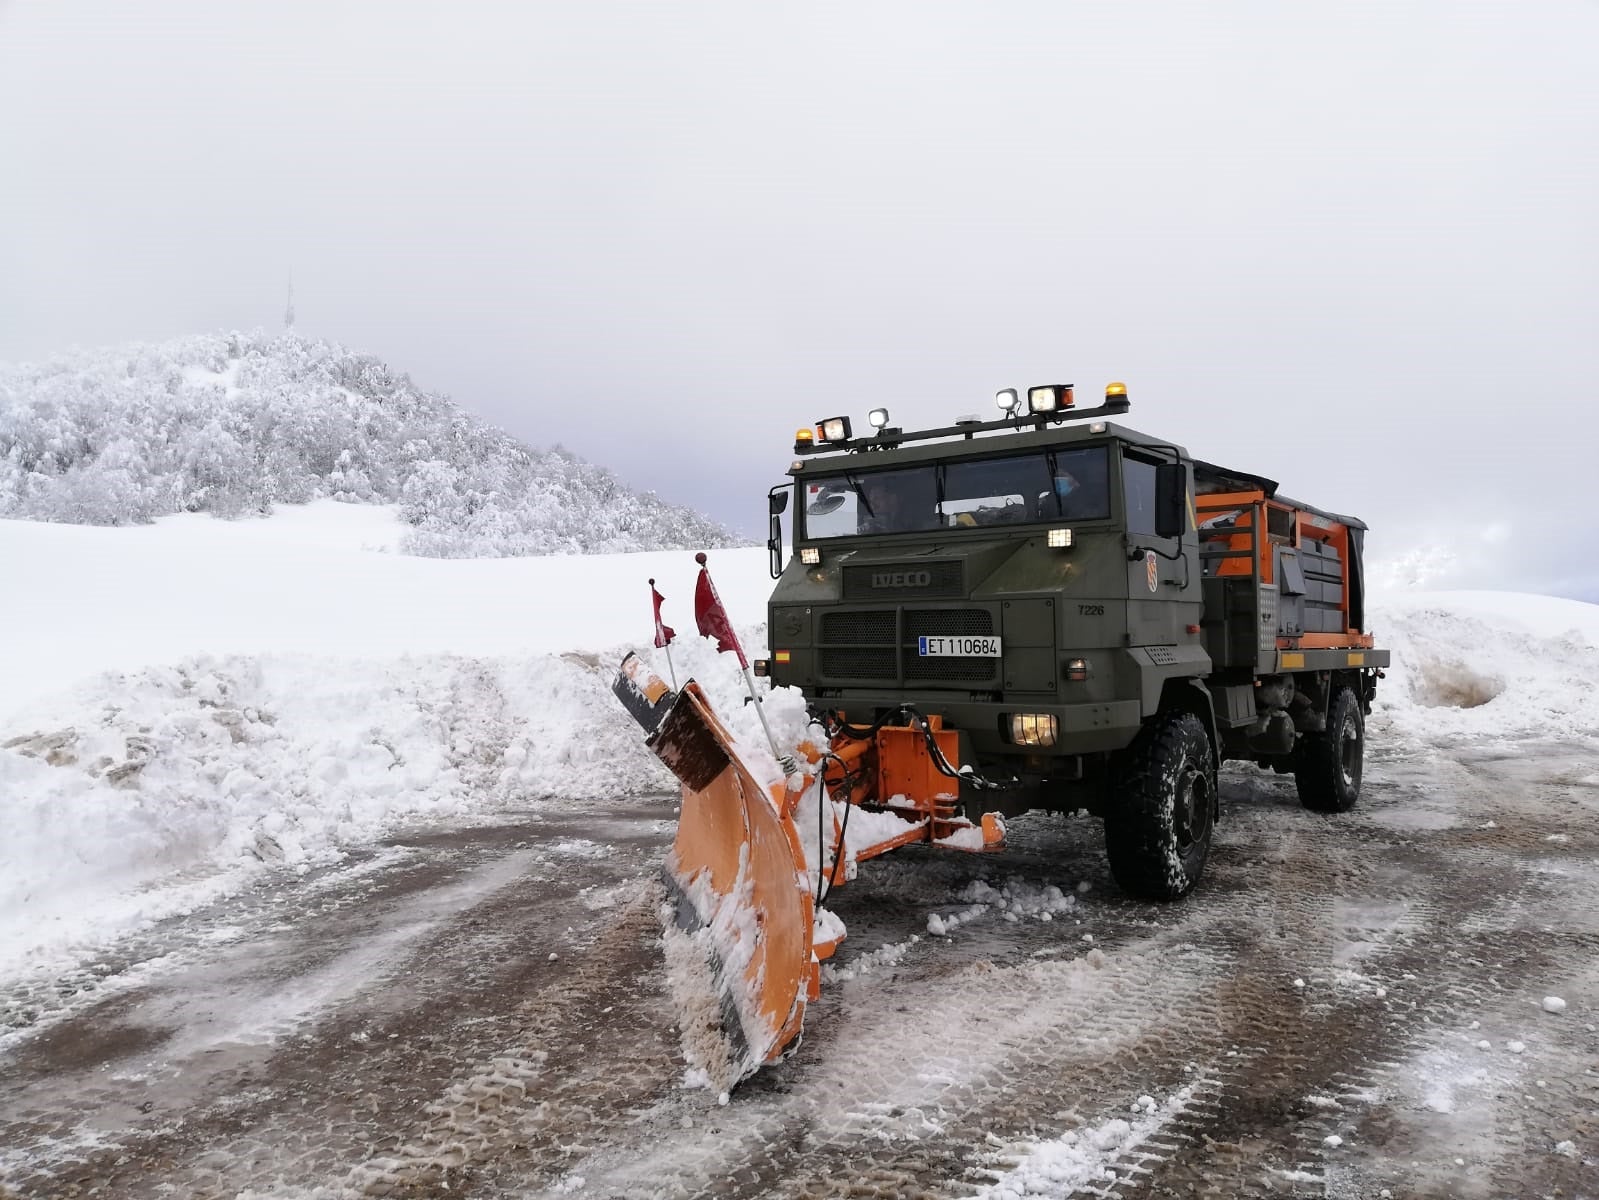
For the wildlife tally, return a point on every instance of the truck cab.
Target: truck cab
(1024, 587)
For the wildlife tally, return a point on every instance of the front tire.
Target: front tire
(1328, 765)
(1161, 814)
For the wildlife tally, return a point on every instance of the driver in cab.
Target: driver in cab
(884, 509)
(1069, 499)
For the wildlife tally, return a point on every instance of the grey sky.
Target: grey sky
(1352, 246)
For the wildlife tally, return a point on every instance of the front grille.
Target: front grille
(881, 645)
(952, 670)
(892, 581)
(858, 628)
(858, 663)
(948, 622)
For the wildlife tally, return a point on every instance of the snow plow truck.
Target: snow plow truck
(1048, 610)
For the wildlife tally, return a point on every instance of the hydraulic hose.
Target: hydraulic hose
(836, 725)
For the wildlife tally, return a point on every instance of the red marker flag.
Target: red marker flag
(664, 633)
(712, 617)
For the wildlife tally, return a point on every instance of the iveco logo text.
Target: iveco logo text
(902, 579)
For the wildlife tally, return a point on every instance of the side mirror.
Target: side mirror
(776, 502)
(1171, 500)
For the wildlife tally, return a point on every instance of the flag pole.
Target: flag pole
(663, 635)
(713, 621)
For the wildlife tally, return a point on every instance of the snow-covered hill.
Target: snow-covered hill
(187, 704)
(234, 424)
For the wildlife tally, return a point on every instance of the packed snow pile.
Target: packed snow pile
(234, 424)
(1490, 664)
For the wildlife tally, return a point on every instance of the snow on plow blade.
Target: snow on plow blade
(739, 918)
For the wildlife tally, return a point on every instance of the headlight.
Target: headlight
(810, 555)
(834, 429)
(1032, 729)
(1059, 539)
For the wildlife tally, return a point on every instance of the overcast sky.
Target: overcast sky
(1351, 246)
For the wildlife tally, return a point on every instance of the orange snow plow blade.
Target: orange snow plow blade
(742, 931)
(738, 942)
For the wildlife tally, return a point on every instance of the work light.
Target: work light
(834, 429)
(1059, 539)
(877, 418)
(1049, 398)
(810, 555)
(1007, 400)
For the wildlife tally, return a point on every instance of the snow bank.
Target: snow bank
(1490, 664)
(82, 600)
(284, 689)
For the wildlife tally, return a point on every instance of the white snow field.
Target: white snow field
(186, 703)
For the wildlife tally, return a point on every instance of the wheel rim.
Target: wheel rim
(1349, 752)
(1191, 807)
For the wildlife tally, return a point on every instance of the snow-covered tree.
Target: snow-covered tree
(232, 424)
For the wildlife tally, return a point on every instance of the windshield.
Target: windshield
(1045, 485)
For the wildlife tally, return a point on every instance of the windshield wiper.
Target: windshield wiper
(1054, 474)
(855, 486)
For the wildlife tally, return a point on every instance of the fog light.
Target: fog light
(1077, 669)
(761, 667)
(1059, 539)
(810, 555)
(1032, 729)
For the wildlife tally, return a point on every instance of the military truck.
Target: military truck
(1044, 610)
(1100, 617)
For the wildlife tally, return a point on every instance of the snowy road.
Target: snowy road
(1347, 1005)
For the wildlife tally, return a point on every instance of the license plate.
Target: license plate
(958, 647)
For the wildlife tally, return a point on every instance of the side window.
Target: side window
(1138, 483)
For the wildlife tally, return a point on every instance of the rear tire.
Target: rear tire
(1160, 816)
(1328, 765)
